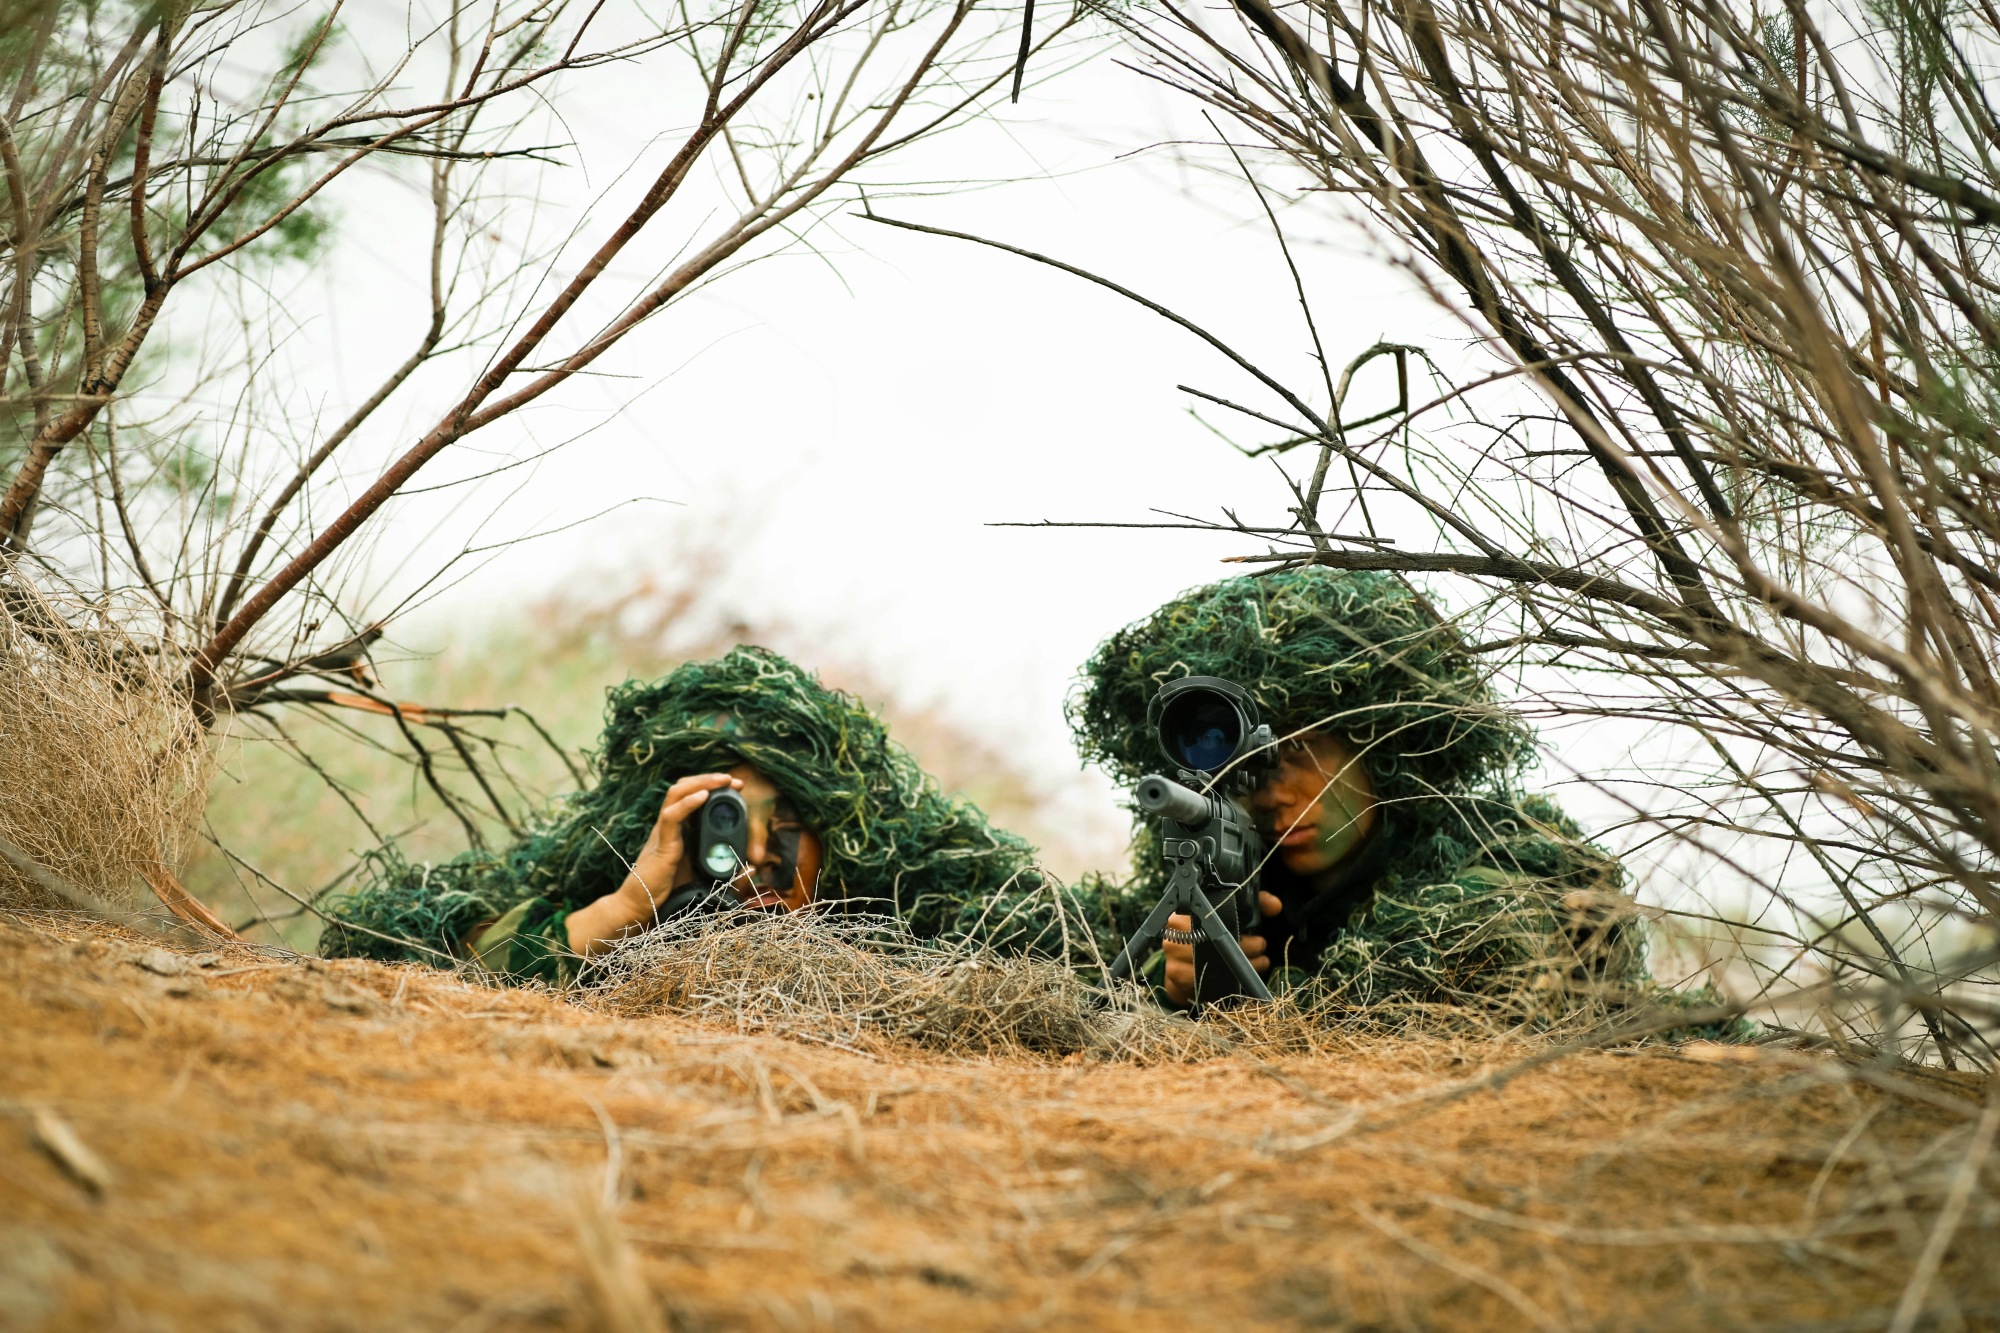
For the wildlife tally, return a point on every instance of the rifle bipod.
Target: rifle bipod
(1184, 894)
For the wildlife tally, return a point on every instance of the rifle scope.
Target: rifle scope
(1205, 723)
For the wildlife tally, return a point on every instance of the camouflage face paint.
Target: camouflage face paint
(783, 876)
(1318, 806)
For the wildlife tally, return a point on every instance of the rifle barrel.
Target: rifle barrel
(1158, 795)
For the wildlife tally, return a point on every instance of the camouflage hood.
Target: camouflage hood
(1360, 655)
(894, 842)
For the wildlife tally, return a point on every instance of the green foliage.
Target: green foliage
(298, 238)
(894, 842)
(310, 48)
(187, 469)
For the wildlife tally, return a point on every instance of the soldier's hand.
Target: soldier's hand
(1180, 957)
(656, 872)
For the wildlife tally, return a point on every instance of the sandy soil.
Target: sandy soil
(224, 1140)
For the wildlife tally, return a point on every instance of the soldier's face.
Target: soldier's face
(785, 855)
(1317, 805)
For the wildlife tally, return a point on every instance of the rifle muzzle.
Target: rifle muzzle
(1163, 796)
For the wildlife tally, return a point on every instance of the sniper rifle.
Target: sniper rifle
(1210, 730)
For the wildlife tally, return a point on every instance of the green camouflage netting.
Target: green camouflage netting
(1360, 655)
(1481, 893)
(894, 842)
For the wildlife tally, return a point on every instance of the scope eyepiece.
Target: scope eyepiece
(1204, 723)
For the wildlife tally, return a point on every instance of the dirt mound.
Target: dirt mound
(231, 1140)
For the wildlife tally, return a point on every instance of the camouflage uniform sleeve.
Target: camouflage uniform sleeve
(528, 942)
(404, 911)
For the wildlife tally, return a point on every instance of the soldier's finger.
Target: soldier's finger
(687, 794)
(1269, 903)
(692, 801)
(1253, 944)
(701, 782)
(674, 812)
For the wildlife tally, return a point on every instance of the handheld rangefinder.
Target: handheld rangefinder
(722, 840)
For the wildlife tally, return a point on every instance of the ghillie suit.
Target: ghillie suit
(894, 843)
(1466, 893)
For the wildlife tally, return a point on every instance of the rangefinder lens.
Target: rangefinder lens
(1202, 730)
(719, 859)
(724, 816)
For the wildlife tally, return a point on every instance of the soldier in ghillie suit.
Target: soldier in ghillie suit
(842, 818)
(1405, 867)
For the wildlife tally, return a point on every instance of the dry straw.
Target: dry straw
(103, 766)
(868, 985)
(864, 983)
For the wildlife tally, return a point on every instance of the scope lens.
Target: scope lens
(725, 815)
(719, 859)
(1202, 730)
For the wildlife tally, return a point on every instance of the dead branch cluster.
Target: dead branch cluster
(167, 170)
(160, 163)
(104, 770)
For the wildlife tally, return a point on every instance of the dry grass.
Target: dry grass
(310, 1145)
(860, 985)
(103, 765)
(847, 982)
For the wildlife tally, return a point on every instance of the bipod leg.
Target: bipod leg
(1225, 944)
(1144, 938)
